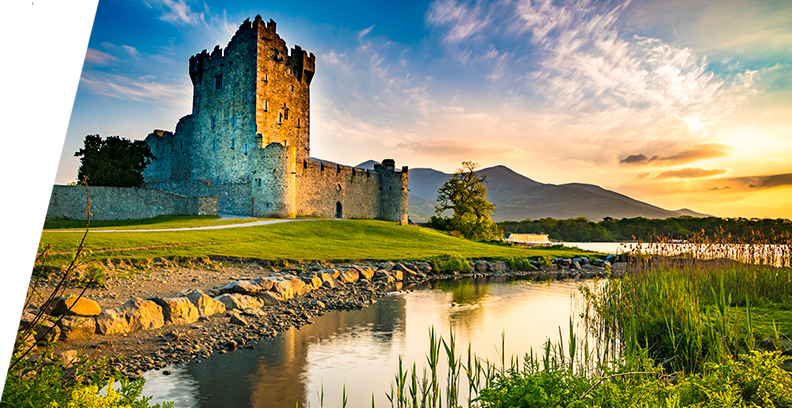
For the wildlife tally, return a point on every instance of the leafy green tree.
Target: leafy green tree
(466, 195)
(115, 161)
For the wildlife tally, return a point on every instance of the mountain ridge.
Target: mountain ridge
(517, 197)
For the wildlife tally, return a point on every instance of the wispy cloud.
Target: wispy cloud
(690, 155)
(364, 32)
(691, 172)
(461, 20)
(176, 12)
(145, 89)
(94, 56)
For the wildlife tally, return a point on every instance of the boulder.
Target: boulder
(387, 265)
(283, 288)
(386, 278)
(481, 266)
(311, 279)
(397, 274)
(331, 283)
(47, 331)
(424, 267)
(348, 276)
(265, 283)
(237, 301)
(498, 267)
(143, 314)
(77, 327)
(112, 321)
(270, 298)
(245, 287)
(365, 273)
(74, 306)
(298, 287)
(237, 319)
(177, 310)
(205, 304)
(409, 270)
(66, 357)
(254, 312)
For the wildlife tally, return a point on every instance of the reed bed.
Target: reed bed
(679, 330)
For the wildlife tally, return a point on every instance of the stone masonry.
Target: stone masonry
(247, 141)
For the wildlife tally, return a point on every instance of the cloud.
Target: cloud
(461, 20)
(145, 89)
(695, 153)
(177, 12)
(461, 149)
(94, 56)
(363, 32)
(763, 182)
(691, 172)
(132, 51)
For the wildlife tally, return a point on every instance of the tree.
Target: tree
(466, 195)
(115, 161)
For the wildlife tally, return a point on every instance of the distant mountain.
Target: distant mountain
(517, 197)
(369, 165)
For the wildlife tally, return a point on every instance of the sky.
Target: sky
(677, 103)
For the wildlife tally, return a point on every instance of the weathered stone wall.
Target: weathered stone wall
(121, 203)
(320, 186)
(231, 198)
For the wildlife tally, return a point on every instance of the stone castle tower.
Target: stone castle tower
(247, 141)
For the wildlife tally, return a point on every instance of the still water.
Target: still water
(360, 349)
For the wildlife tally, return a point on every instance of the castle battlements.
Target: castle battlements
(247, 140)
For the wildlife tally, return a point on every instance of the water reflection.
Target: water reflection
(360, 349)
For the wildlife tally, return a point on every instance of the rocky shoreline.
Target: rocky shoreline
(150, 334)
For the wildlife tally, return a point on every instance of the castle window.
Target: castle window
(214, 145)
(338, 187)
(280, 117)
(286, 113)
(233, 143)
(218, 82)
(258, 182)
(305, 164)
(292, 88)
(233, 120)
(245, 148)
(214, 122)
(245, 98)
(266, 105)
(298, 122)
(266, 77)
(338, 169)
(321, 166)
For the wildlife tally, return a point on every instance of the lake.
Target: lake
(360, 349)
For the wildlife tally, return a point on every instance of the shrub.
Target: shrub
(454, 263)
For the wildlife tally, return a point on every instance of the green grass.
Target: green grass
(161, 222)
(305, 240)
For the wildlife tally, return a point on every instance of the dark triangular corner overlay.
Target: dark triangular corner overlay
(14, 295)
(25, 79)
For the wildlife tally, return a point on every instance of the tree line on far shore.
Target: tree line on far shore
(628, 229)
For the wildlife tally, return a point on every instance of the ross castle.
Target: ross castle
(247, 141)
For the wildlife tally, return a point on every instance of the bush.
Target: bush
(517, 263)
(454, 263)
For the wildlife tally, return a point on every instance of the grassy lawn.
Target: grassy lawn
(161, 222)
(305, 240)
